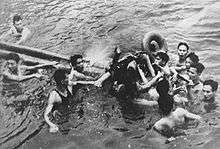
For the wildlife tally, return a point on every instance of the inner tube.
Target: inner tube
(154, 42)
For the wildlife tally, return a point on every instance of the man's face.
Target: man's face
(192, 72)
(188, 63)
(18, 25)
(65, 80)
(182, 51)
(207, 92)
(159, 61)
(12, 65)
(79, 64)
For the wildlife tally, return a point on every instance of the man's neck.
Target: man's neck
(196, 81)
(181, 59)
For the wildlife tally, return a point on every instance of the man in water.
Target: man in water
(194, 73)
(167, 124)
(59, 100)
(206, 102)
(182, 50)
(171, 119)
(77, 66)
(12, 75)
(17, 31)
(76, 76)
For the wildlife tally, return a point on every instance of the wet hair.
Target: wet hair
(194, 58)
(16, 18)
(163, 56)
(74, 58)
(183, 43)
(13, 56)
(212, 83)
(165, 101)
(199, 67)
(59, 75)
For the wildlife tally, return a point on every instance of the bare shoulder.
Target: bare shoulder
(54, 97)
(179, 111)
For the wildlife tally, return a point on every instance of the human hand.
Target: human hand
(190, 83)
(98, 83)
(53, 129)
(53, 63)
(159, 74)
(37, 75)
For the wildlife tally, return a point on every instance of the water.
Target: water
(93, 26)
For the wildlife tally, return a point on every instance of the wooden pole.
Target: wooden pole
(34, 52)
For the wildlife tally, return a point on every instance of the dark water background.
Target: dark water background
(78, 26)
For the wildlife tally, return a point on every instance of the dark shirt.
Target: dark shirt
(61, 110)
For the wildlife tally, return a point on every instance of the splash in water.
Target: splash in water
(99, 55)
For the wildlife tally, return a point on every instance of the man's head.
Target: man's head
(209, 89)
(60, 77)
(76, 61)
(17, 22)
(183, 50)
(191, 58)
(12, 61)
(161, 59)
(195, 71)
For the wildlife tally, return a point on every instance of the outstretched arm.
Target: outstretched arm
(104, 77)
(152, 81)
(51, 100)
(192, 116)
(146, 102)
(20, 77)
(146, 57)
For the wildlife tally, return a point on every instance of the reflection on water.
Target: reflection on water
(74, 26)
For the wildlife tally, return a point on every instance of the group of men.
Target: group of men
(173, 87)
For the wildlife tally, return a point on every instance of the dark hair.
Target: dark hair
(194, 58)
(183, 43)
(74, 58)
(199, 67)
(59, 75)
(13, 56)
(163, 56)
(16, 18)
(165, 101)
(212, 83)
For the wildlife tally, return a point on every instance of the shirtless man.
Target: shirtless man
(182, 51)
(170, 119)
(205, 101)
(173, 119)
(17, 30)
(12, 75)
(194, 73)
(76, 75)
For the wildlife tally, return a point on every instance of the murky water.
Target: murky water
(78, 26)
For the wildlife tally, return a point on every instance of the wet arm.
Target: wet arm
(151, 82)
(144, 79)
(18, 77)
(192, 116)
(146, 57)
(49, 109)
